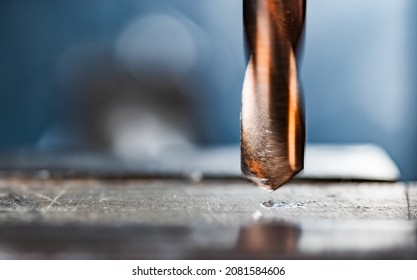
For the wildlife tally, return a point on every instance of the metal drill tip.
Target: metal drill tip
(272, 119)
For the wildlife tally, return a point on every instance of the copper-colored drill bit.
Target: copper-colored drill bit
(272, 119)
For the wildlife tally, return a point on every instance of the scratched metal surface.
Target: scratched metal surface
(187, 219)
(179, 202)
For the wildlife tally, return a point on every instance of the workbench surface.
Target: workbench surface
(204, 219)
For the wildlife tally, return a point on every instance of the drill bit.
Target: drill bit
(272, 117)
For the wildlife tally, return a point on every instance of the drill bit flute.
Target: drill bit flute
(272, 118)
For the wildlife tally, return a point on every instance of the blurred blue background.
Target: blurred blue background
(139, 77)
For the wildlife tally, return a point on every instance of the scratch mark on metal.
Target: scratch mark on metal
(407, 197)
(55, 200)
(76, 206)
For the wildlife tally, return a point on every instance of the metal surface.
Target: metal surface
(272, 124)
(187, 203)
(320, 240)
(85, 206)
(176, 219)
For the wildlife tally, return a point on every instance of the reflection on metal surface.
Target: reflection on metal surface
(354, 236)
(332, 239)
(259, 239)
(272, 125)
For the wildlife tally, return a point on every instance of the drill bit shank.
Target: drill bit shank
(272, 119)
